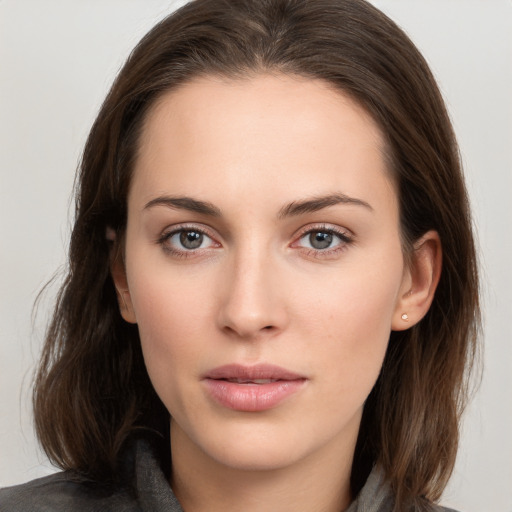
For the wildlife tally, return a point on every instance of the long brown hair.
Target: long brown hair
(92, 393)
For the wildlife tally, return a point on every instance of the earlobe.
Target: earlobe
(118, 272)
(419, 283)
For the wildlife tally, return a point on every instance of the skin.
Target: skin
(257, 291)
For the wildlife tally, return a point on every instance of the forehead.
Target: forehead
(288, 132)
(265, 101)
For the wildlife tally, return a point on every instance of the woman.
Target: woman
(272, 274)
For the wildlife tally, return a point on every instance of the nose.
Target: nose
(253, 297)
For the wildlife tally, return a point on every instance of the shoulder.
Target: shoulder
(63, 492)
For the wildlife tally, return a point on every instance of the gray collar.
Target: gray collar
(153, 489)
(375, 496)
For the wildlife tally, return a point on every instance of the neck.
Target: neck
(319, 482)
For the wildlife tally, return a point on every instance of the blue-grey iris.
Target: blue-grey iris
(191, 239)
(320, 239)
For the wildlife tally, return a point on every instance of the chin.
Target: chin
(258, 457)
(260, 446)
(246, 445)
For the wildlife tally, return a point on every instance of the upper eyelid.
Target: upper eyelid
(176, 228)
(324, 227)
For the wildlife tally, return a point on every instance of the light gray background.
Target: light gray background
(57, 60)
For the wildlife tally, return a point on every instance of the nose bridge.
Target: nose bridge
(252, 301)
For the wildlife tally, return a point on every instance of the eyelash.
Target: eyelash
(344, 240)
(344, 237)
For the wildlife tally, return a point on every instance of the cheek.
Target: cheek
(173, 338)
(169, 314)
(349, 324)
(359, 298)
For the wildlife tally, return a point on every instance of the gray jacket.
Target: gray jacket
(148, 491)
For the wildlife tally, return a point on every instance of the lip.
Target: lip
(251, 388)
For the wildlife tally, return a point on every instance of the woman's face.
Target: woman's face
(263, 266)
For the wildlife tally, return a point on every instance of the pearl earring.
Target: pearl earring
(405, 317)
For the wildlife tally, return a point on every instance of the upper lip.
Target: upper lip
(258, 371)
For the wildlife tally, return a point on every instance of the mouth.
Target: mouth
(251, 381)
(251, 388)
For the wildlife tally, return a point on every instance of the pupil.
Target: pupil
(320, 240)
(191, 239)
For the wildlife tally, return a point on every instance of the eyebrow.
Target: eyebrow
(185, 203)
(292, 209)
(315, 204)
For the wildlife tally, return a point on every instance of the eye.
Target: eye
(323, 239)
(186, 240)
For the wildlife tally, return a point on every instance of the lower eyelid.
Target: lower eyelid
(326, 253)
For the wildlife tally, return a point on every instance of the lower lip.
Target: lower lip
(252, 397)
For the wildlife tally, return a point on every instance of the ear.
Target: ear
(419, 283)
(118, 272)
